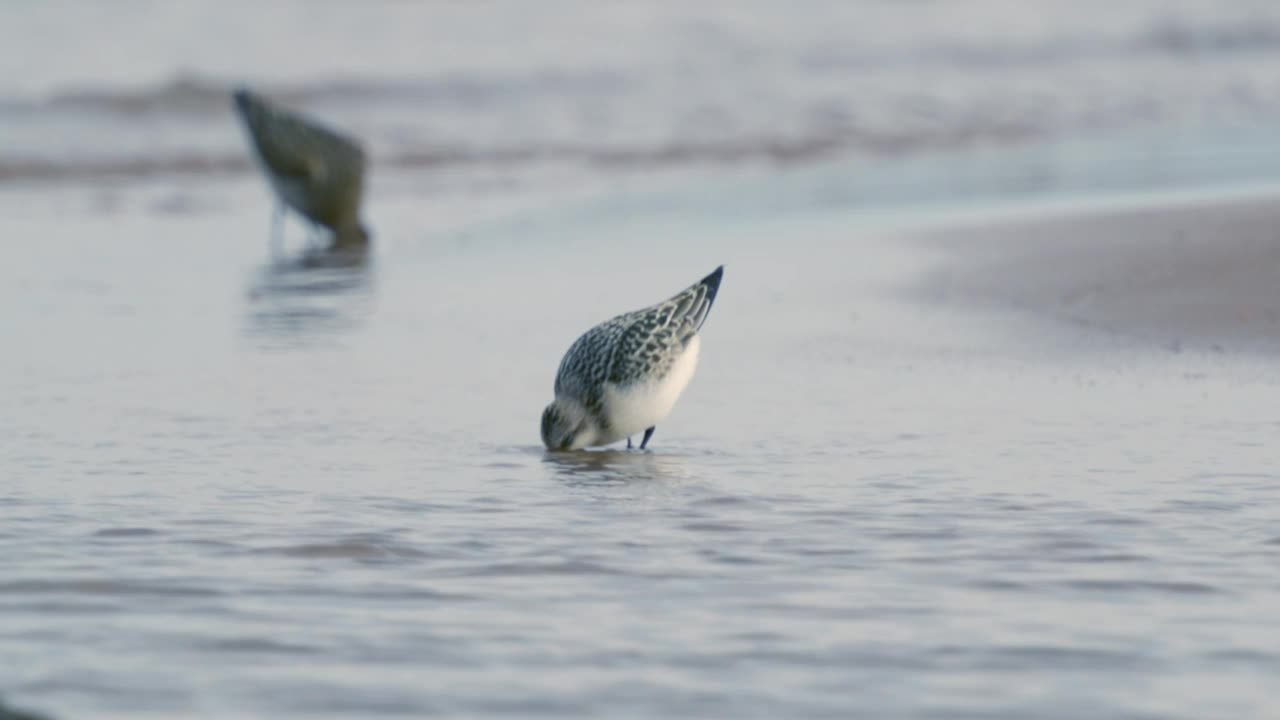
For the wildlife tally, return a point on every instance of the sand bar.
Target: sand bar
(1202, 276)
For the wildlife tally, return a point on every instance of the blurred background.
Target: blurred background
(864, 104)
(984, 424)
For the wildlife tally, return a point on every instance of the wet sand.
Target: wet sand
(1200, 276)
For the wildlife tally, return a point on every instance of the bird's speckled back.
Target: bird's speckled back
(287, 141)
(638, 346)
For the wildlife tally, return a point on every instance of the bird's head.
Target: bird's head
(565, 426)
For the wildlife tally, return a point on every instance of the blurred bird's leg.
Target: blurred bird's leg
(647, 434)
(628, 443)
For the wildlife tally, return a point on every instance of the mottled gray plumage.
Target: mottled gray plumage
(637, 348)
(314, 170)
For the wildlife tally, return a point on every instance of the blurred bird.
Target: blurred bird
(625, 374)
(313, 169)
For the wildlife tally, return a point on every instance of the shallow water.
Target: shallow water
(238, 487)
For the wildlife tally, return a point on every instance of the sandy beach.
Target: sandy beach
(1196, 275)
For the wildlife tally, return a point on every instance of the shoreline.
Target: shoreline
(1178, 275)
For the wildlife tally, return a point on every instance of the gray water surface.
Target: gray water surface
(311, 487)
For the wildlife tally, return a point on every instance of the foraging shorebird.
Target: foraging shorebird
(625, 374)
(314, 170)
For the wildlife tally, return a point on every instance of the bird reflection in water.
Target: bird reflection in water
(613, 467)
(315, 296)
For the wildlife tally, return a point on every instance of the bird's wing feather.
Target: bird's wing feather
(653, 337)
(634, 345)
(286, 153)
(298, 148)
(585, 366)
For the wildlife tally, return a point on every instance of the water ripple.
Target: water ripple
(125, 532)
(1115, 587)
(107, 586)
(350, 549)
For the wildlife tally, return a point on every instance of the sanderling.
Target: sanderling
(625, 374)
(313, 169)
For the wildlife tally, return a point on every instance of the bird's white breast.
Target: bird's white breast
(642, 405)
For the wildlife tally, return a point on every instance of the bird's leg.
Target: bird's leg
(647, 434)
(628, 443)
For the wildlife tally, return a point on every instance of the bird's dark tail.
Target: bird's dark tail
(245, 99)
(694, 303)
(712, 283)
